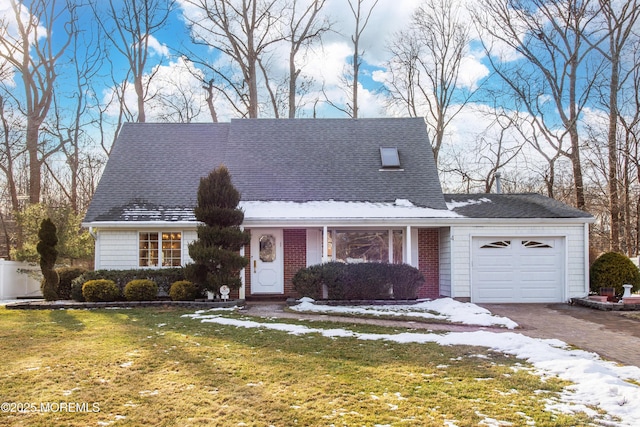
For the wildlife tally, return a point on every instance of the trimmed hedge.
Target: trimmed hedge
(163, 277)
(141, 290)
(184, 290)
(67, 275)
(359, 281)
(100, 290)
(612, 270)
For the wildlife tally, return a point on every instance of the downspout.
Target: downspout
(96, 255)
(586, 259)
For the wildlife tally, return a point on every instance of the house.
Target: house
(315, 190)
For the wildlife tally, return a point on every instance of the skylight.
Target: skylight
(389, 157)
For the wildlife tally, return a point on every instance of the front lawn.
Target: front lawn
(155, 367)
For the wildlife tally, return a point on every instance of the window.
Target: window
(171, 249)
(534, 244)
(367, 246)
(150, 254)
(389, 158)
(498, 244)
(267, 248)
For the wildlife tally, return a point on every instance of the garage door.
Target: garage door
(516, 269)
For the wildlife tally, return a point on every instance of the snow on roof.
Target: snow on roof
(455, 204)
(335, 209)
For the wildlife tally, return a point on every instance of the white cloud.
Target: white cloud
(157, 48)
(9, 33)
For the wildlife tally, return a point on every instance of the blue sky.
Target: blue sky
(324, 64)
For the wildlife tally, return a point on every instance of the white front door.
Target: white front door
(267, 264)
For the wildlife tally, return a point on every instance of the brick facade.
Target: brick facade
(247, 271)
(429, 262)
(295, 257)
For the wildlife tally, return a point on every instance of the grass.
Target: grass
(153, 367)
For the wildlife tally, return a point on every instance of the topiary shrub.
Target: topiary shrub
(100, 290)
(48, 254)
(67, 275)
(612, 270)
(141, 290)
(184, 290)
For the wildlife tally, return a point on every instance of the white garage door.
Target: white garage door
(516, 269)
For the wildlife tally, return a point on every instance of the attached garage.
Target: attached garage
(515, 269)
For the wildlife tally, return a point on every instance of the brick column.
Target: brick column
(429, 262)
(295, 257)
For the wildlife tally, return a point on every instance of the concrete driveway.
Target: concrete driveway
(614, 335)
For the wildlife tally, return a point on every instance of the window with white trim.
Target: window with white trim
(353, 246)
(160, 249)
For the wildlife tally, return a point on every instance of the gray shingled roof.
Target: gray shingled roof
(154, 168)
(511, 206)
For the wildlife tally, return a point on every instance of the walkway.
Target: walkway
(614, 335)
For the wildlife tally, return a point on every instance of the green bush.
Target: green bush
(163, 277)
(184, 290)
(76, 289)
(359, 281)
(612, 270)
(100, 291)
(141, 290)
(67, 275)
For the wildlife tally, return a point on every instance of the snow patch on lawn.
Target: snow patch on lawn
(440, 309)
(596, 383)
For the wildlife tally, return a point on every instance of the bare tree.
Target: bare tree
(129, 25)
(620, 21)
(243, 31)
(351, 76)
(73, 115)
(32, 53)
(11, 149)
(552, 75)
(629, 117)
(425, 66)
(304, 27)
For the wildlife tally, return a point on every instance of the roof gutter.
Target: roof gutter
(346, 221)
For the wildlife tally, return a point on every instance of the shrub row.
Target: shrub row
(163, 278)
(359, 281)
(105, 290)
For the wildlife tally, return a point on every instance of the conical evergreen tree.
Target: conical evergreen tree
(216, 252)
(48, 254)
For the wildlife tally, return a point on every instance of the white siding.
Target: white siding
(445, 262)
(118, 249)
(576, 282)
(314, 246)
(188, 236)
(415, 260)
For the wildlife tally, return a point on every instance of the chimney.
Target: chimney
(498, 183)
